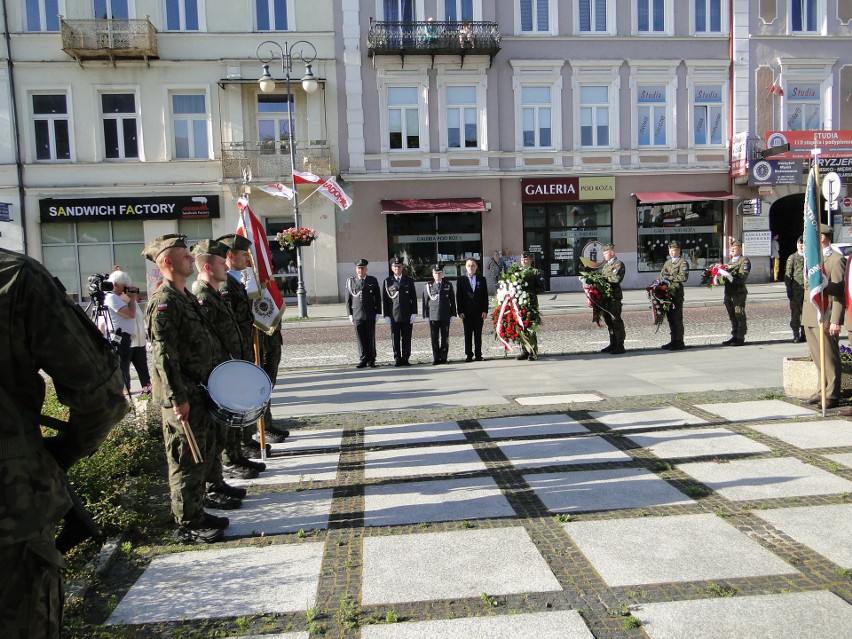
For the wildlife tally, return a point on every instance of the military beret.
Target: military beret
(825, 229)
(235, 242)
(736, 243)
(160, 244)
(396, 261)
(361, 262)
(526, 254)
(209, 247)
(801, 240)
(608, 247)
(436, 268)
(674, 244)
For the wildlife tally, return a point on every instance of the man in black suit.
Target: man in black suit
(439, 309)
(472, 304)
(399, 302)
(364, 307)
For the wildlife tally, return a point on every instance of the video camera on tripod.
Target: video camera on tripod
(98, 285)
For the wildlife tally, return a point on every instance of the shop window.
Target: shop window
(696, 225)
(425, 239)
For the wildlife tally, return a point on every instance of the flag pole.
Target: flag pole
(822, 294)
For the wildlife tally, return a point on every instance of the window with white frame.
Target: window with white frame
(119, 117)
(273, 122)
(537, 116)
(403, 118)
(182, 15)
(189, 126)
(51, 124)
(707, 16)
(803, 106)
(594, 116)
(271, 15)
(651, 115)
(458, 10)
(112, 9)
(803, 16)
(398, 10)
(42, 15)
(534, 16)
(708, 115)
(462, 115)
(593, 16)
(650, 16)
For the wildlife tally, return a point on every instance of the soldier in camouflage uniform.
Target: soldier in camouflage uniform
(533, 285)
(613, 272)
(676, 271)
(794, 279)
(212, 271)
(41, 330)
(185, 350)
(736, 293)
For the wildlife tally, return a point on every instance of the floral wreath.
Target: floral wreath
(598, 293)
(515, 316)
(714, 275)
(662, 300)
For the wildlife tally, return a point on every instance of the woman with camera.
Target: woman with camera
(121, 302)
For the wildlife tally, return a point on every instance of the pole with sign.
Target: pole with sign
(831, 193)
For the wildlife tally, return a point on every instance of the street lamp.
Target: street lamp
(307, 53)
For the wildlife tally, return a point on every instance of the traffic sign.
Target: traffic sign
(831, 186)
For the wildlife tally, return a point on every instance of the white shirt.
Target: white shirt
(114, 303)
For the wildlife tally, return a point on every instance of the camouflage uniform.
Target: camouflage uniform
(41, 330)
(533, 285)
(613, 272)
(794, 278)
(676, 271)
(184, 351)
(735, 296)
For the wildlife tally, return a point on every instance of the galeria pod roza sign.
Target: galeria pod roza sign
(567, 189)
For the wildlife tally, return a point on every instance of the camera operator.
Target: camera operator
(121, 302)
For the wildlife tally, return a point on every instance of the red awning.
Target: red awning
(676, 196)
(441, 205)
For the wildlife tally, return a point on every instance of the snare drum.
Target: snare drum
(238, 393)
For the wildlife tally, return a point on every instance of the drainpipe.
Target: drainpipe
(19, 165)
(731, 93)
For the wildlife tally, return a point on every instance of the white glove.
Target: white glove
(387, 320)
(412, 319)
(453, 319)
(426, 319)
(351, 321)
(378, 317)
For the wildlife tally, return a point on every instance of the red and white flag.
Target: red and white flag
(303, 177)
(332, 190)
(267, 303)
(277, 190)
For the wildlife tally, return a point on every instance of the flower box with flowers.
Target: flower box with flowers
(598, 293)
(662, 300)
(296, 236)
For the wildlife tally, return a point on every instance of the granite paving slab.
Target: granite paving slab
(548, 400)
(210, 584)
(592, 490)
(560, 624)
(799, 615)
(445, 565)
(294, 469)
(300, 440)
(528, 425)
(826, 529)
(412, 434)
(757, 410)
(425, 460)
(426, 501)
(652, 550)
(829, 433)
(551, 452)
(646, 418)
(841, 458)
(697, 442)
(277, 513)
(746, 479)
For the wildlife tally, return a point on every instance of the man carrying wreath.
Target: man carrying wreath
(533, 285)
(736, 293)
(676, 271)
(613, 272)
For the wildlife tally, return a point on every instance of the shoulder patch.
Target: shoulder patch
(162, 306)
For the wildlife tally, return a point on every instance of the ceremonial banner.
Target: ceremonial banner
(815, 279)
(331, 189)
(277, 190)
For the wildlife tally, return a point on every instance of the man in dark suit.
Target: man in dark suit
(439, 309)
(364, 307)
(399, 302)
(472, 305)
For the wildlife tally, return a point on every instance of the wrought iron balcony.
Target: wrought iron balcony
(271, 160)
(433, 38)
(109, 39)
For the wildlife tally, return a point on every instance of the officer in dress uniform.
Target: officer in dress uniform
(736, 293)
(613, 271)
(676, 271)
(185, 350)
(794, 280)
(364, 307)
(472, 304)
(439, 310)
(42, 331)
(399, 303)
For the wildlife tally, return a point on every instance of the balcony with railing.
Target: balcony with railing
(271, 160)
(109, 39)
(433, 38)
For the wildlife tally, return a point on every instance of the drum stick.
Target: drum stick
(190, 440)
(261, 425)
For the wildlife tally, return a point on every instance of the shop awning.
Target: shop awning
(657, 197)
(438, 205)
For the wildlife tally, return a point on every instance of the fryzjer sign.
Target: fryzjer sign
(164, 207)
(567, 189)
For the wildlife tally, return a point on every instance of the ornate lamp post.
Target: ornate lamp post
(307, 53)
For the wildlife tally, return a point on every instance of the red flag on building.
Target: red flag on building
(303, 177)
(267, 303)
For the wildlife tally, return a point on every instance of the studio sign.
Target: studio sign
(129, 208)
